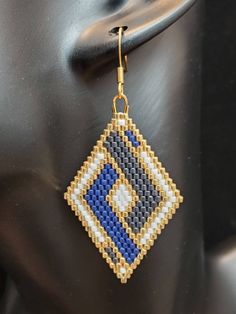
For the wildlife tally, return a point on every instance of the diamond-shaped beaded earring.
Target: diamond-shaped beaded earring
(122, 194)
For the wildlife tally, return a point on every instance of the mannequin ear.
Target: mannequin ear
(143, 20)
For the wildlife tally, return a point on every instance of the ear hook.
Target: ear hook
(120, 74)
(120, 34)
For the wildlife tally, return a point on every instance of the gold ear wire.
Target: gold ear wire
(120, 34)
(123, 67)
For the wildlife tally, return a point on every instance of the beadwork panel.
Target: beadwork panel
(123, 196)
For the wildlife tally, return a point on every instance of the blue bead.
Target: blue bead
(100, 187)
(118, 244)
(132, 256)
(129, 250)
(90, 192)
(104, 213)
(126, 255)
(97, 213)
(104, 171)
(122, 240)
(104, 192)
(131, 137)
(128, 133)
(111, 172)
(129, 261)
(87, 197)
(136, 251)
(132, 246)
(94, 198)
(104, 182)
(108, 187)
(107, 166)
(107, 177)
(97, 203)
(111, 224)
(101, 198)
(115, 239)
(90, 202)
(128, 241)
(104, 203)
(104, 224)
(122, 250)
(108, 230)
(97, 192)
(94, 208)
(111, 234)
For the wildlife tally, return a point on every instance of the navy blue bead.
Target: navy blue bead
(126, 255)
(132, 256)
(122, 250)
(129, 261)
(111, 233)
(104, 223)
(90, 202)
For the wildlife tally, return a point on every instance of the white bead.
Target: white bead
(122, 270)
(97, 234)
(155, 173)
(93, 166)
(151, 166)
(100, 156)
(83, 181)
(165, 188)
(101, 239)
(143, 241)
(96, 161)
(115, 198)
(173, 199)
(94, 228)
(86, 176)
(168, 204)
(77, 202)
(143, 154)
(165, 209)
(81, 207)
(77, 191)
(74, 197)
(150, 231)
(121, 122)
(161, 215)
(90, 171)
(157, 220)
(169, 193)
(153, 225)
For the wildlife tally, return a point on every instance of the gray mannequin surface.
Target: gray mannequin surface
(58, 77)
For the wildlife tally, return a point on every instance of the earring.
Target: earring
(122, 194)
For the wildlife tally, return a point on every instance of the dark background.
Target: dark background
(218, 121)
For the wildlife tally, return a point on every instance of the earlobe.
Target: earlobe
(143, 20)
